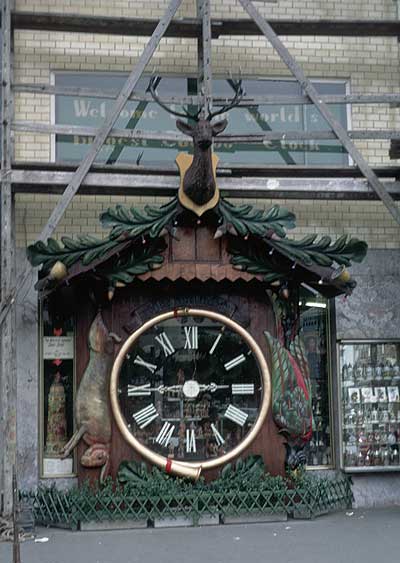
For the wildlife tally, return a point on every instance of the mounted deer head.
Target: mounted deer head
(199, 180)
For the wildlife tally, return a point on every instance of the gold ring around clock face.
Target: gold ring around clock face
(190, 390)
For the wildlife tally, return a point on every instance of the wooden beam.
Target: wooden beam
(21, 87)
(231, 185)
(326, 113)
(224, 169)
(8, 367)
(191, 28)
(251, 138)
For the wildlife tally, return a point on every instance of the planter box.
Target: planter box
(183, 520)
(112, 525)
(254, 518)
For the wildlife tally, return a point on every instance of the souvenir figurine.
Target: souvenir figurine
(392, 438)
(56, 418)
(387, 370)
(379, 372)
(395, 456)
(360, 459)
(396, 374)
(374, 416)
(171, 450)
(386, 456)
(181, 448)
(350, 374)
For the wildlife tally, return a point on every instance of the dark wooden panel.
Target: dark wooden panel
(183, 248)
(207, 248)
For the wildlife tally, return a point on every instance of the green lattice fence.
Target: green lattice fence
(245, 490)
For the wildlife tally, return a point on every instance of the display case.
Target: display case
(57, 392)
(370, 405)
(314, 329)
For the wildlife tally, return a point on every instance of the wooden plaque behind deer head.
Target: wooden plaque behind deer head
(198, 191)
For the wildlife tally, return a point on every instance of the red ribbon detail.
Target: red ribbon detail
(168, 466)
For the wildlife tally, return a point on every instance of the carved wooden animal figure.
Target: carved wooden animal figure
(92, 410)
(199, 180)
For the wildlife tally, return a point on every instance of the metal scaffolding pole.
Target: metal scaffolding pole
(98, 142)
(8, 380)
(326, 113)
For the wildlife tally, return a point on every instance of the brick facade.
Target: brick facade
(370, 65)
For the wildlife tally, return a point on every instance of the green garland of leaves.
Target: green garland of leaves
(134, 222)
(256, 261)
(323, 252)
(245, 220)
(85, 248)
(140, 261)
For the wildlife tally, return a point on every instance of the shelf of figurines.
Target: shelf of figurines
(381, 374)
(371, 448)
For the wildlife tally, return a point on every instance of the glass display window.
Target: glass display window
(370, 405)
(57, 392)
(314, 329)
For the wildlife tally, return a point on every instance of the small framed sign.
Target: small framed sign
(61, 347)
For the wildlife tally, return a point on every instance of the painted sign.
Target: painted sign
(146, 116)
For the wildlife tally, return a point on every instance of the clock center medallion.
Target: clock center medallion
(191, 389)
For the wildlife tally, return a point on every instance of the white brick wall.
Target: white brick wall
(370, 64)
(368, 220)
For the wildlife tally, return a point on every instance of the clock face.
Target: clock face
(188, 386)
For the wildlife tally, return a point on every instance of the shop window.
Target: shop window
(314, 322)
(370, 407)
(57, 391)
(148, 116)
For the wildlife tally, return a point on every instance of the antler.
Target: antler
(239, 93)
(152, 88)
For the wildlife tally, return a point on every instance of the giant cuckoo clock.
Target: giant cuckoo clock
(188, 353)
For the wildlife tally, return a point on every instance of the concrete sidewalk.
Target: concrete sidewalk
(359, 536)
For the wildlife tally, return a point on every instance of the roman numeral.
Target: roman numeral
(190, 441)
(139, 390)
(165, 434)
(215, 344)
(141, 362)
(165, 343)
(218, 438)
(145, 416)
(242, 388)
(236, 415)
(192, 337)
(235, 362)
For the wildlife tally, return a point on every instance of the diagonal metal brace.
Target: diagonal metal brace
(326, 113)
(110, 120)
(98, 142)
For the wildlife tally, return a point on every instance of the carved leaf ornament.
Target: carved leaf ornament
(257, 243)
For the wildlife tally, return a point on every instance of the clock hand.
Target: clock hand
(162, 389)
(138, 390)
(212, 387)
